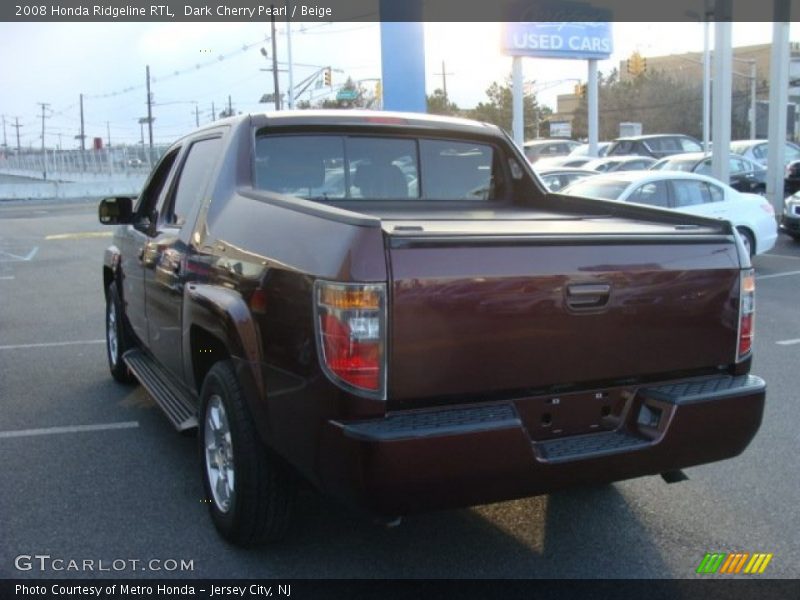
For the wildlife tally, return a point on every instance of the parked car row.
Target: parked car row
(751, 214)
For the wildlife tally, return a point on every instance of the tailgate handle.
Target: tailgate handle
(588, 295)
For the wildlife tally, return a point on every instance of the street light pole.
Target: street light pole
(753, 106)
(706, 87)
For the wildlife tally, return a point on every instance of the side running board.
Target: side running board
(178, 406)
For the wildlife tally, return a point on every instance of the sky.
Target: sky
(197, 64)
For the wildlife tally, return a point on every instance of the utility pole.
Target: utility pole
(17, 126)
(275, 62)
(289, 56)
(213, 112)
(149, 116)
(196, 115)
(44, 106)
(5, 141)
(83, 139)
(230, 106)
(108, 148)
(444, 83)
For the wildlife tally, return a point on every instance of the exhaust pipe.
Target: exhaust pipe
(388, 522)
(674, 476)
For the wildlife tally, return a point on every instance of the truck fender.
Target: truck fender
(224, 314)
(111, 264)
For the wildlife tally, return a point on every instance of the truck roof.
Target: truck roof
(371, 118)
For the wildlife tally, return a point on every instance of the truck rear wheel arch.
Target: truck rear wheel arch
(206, 350)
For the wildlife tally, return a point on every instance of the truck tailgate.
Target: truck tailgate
(486, 307)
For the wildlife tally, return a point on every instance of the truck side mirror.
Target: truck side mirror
(115, 211)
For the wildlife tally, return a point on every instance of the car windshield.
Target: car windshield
(740, 148)
(607, 189)
(679, 164)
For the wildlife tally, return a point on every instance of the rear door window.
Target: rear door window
(653, 193)
(194, 177)
(690, 192)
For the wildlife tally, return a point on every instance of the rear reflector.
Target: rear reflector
(351, 329)
(747, 306)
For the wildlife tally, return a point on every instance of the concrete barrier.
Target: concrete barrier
(130, 186)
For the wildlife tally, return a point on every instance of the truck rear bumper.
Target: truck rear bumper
(450, 457)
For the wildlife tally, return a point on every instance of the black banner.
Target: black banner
(126, 589)
(396, 10)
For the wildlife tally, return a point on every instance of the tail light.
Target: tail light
(351, 332)
(747, 305)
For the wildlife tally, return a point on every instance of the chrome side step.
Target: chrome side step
(178, 406)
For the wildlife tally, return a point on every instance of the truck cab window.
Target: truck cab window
(154, 192)
(194, 177)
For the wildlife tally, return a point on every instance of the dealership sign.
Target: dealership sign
(558, 40)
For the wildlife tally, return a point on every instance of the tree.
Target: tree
(499, 108)
(439, 104)
(659, 102)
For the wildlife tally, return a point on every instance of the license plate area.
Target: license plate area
(561, 415)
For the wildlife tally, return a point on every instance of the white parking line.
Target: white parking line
(50, 344)
(788, 342)
(84, 235)
(7, 277)
(773, 275)
(781, 256)
(16, 257)
(69, 429)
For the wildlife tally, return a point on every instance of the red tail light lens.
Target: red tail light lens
(351, 328)
(747, 307)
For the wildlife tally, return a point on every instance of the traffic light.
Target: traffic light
(326, 76)
(636, 64)
(580, 90)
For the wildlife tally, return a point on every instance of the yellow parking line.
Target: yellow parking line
(85, 235)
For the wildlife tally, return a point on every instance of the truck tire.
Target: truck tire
(249, 493)
(118, 340)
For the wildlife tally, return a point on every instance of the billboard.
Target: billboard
(575, 40)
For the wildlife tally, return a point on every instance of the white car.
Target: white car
(756, 150)
(751, 214)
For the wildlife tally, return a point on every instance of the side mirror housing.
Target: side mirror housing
(115, 211)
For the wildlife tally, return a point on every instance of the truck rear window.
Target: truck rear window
(333, 167)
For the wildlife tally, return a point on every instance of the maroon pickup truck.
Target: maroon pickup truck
(392, 307)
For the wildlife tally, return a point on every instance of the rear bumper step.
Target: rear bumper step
(589, 446)
(446, 458)
(178, 407)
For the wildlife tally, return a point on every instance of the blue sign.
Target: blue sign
(558, 40)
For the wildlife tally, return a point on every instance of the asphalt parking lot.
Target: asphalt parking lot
(94, 471)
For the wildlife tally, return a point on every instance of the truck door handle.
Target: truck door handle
(582, 296)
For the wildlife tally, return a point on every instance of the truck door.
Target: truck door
(134, 242)
(167, 249)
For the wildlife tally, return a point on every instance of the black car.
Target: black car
(536, 149)
(792, 178)
(745, 175)
(655, 146)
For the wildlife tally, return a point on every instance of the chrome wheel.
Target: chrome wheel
(219, 454)
(111, 332)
